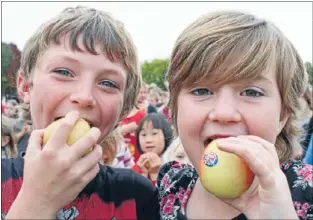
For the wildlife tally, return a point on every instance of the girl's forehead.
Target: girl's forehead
(148, 125)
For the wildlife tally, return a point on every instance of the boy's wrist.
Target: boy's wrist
(25, 207)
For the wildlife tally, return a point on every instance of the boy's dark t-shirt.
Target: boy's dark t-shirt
(113, 194)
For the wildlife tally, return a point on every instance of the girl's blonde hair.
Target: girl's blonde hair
(170, 153)
(228, 46)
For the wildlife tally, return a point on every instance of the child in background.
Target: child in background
(8, 139)
(240, 81)
(154, 135)
(176, 152)
(115, 152)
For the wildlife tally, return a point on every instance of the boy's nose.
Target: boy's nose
(83, 98)
(225, 110)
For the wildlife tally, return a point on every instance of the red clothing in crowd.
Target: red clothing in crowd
(130, 138)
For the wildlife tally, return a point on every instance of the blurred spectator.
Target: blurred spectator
(176, 152)
(8, 142)
(306, 122)
(115, 151)
(10, 108)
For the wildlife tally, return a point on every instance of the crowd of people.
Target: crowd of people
(149, 141)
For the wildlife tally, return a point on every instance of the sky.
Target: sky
(154, 26)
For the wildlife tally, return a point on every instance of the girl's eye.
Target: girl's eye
(108, 84)
(155, 133)
(63, 72)
(180, 156)
(201, 92)
(252, 93)
(143, 134)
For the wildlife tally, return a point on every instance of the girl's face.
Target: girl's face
(208, 112)
(151, 139)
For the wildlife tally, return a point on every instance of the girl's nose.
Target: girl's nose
(225, 110)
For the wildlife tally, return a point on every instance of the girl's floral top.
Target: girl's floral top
(176, 181)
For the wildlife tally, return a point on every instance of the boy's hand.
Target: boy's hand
(143, 159)
(55, 174)
(155, 164)
(271, 199)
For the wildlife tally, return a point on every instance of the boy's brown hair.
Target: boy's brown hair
(96, 27)
(207, 50)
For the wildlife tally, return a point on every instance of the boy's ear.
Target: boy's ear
(23, 87)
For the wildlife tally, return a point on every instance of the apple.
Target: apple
(224, 174)
(80, 128)
(147, 165)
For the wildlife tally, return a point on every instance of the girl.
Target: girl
(240, 81)
(176, 152)
(154, 135)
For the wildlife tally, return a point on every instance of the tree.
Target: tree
(10, 56)
(154, 72)
(6, 58)
(309, 69)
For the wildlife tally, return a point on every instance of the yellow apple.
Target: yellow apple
(147, 165)
(80, 128)
(224, 174)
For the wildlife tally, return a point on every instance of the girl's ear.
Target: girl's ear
(23, 87)
(283, 120)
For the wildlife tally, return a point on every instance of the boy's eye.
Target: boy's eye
(143, 134)
(201, 92)
(155, 133)
(252, 93)
(109, 84)
(63, 72)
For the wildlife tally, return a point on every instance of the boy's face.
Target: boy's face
(153, 101)
(239, 108)
(66, 80)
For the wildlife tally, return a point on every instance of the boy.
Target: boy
(82, 63)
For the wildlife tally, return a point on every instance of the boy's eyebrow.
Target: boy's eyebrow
(111, 71)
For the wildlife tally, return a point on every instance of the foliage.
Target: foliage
(6, 57)
(309, 69)
(154, 72)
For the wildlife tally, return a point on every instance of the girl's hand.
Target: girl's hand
(143, 159)
(155, 164)
(55, 174)
(272, 198)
